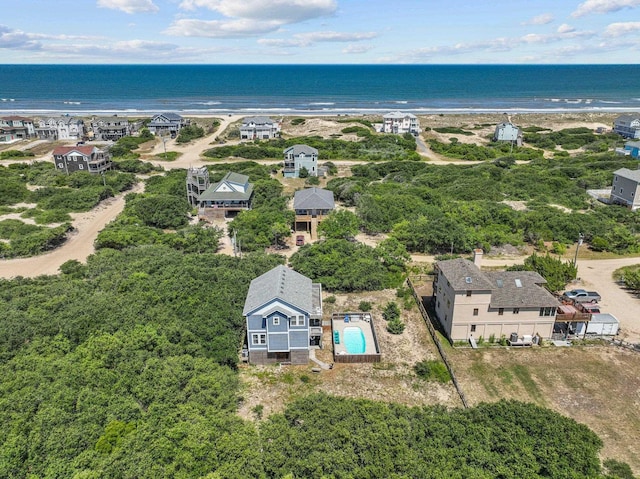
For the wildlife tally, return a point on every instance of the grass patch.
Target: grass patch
(168, 156)
(453, 130)
(485, 375)
(15, 154)
(524, 376)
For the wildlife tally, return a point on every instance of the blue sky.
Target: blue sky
(320, 31)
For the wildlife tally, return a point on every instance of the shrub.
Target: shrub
(364, 306)
(432, 370)
(395, 326)
(330, 299)
(391, 311)
(298, 121)
(312, 181)
(189, 133)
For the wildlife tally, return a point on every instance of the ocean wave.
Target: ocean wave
(401, 102)
(208, 103)
(72, 103)
(320, 103)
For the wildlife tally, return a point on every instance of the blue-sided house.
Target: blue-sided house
(283, 311)
(297, 157)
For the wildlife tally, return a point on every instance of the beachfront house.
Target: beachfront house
(259, 128)
(400, 123)
(625, 189)
(81, 158)
(312, 205)
(110, 128)
(62, 128)
(470, 302)
(167, 124)
(297, 157)
(283, 312)
(15, 128)
(226, 198)
(507, 131)
(627, 126)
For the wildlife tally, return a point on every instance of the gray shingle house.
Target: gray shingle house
(259, 128)
(627, 126)
(283, 311)
(227, 197)
(81, 158)
(311, 206)
(167, 124)
(625, 189)
(470, 302)
(297, 157)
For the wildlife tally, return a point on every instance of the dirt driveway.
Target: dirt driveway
(78, 246)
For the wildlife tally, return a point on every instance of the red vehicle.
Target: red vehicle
(299, 240)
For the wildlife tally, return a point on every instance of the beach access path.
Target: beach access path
(79, 244)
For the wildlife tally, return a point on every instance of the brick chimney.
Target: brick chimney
(477, 257)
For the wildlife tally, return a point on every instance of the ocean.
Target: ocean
(316, 89)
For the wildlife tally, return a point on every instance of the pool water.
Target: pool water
(354, 341)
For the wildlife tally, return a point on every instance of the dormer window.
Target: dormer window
(276, 321)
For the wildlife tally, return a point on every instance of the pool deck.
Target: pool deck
(355, 320)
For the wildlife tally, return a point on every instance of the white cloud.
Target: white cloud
(603, 6)
(284, 11)
(220, 29)
(540, 19)
(309, 38)
(565, 28)
(354, 49)
(621, 28)
(130, 6)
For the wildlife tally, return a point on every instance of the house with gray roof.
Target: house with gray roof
(631, 148)
(297, 157)
(167, 124)
(507, 131)
(472, 303)
(312, 205)
(232, 194)
(283, 312)
(625, 189)
(259, 128)
(400, 123)
(110, 128)
(627, 126)
(61, 128)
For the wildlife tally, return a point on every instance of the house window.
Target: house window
(475, 311)
(448, 304)
(297, 320)
(258, 339)
(500, 311)
(81, 167)
(473, 328)
(276, 321)
(620, 190)
(60, 165)
(516, 310)
(438, 304)
(547, 311)
(468, 292)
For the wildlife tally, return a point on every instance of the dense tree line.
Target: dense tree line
(374, 147)
(436, 208)
(342, 265)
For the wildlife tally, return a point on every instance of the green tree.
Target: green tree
(339, 224)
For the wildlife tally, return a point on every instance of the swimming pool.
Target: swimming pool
(354, 341)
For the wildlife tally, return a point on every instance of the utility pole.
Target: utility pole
(575, 258)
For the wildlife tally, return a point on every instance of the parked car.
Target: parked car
(582, 296)
(299, 240)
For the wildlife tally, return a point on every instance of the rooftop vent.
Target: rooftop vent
(468, 280)
(500, 283)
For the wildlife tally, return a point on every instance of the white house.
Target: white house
(63, 128)
(14, 128)
(625, 189)
(400, 123)
(167, 123)
(259, 128)
(627, 126)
